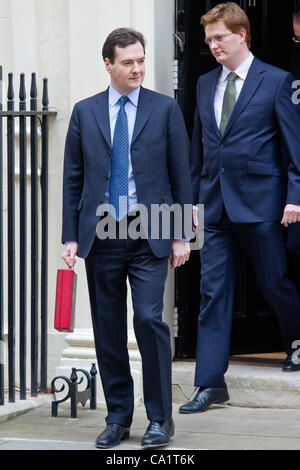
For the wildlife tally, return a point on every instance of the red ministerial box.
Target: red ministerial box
(66, 282)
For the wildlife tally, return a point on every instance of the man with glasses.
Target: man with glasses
(244, 113)
(295, 59)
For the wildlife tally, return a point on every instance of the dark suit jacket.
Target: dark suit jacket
(159, 154)
(295, 62)
(254, 168)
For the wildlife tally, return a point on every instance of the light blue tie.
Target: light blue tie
(119, 163)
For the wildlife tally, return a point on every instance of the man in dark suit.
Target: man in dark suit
(295, 57)
(127, 143)
(244, 113)
(293, 236)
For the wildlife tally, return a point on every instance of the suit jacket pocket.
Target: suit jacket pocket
(260, 168)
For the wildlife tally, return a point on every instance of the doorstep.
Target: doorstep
(254, 381)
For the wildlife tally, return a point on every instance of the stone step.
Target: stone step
(254, 381)
(260, 384)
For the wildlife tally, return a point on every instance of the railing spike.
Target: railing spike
(33, 93)
(10, 92)
(33, 89)
(45, 99)
(22, 93)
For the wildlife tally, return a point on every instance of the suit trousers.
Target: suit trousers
(264, 244)
(108, 266)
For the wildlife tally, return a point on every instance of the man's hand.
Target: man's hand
(69, 253)
(180, 253)
(195, 220)
(291, 215)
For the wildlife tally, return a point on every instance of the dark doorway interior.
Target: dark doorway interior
(255, 328)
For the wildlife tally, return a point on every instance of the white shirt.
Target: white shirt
(242, 72)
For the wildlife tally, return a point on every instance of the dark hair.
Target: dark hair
(296, 15)
(121, 37)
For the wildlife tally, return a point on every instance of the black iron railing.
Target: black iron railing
(15, 302)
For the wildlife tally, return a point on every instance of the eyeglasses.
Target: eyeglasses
(296, 39)
(216, 39)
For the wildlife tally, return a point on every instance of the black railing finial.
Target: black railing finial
(10, 92)
(33, 93)
(22, 93)
(45, 99)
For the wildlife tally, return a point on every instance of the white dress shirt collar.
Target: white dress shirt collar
(114, 96)
(241, 71)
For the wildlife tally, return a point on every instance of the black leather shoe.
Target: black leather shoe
(203, 399)
(290, 364)
(158, 434)
(112, 435)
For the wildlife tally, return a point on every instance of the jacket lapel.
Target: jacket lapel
(214, 82)
(100, 110)
(101, 113)
(252, 82)
(144, 110)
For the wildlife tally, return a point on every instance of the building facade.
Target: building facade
(62, 39)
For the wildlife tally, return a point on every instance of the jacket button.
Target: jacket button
(106, 177)
(222, 170)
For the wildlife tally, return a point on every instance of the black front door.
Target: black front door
(255, 328)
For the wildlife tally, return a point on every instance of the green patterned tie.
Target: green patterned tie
(228, 101)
